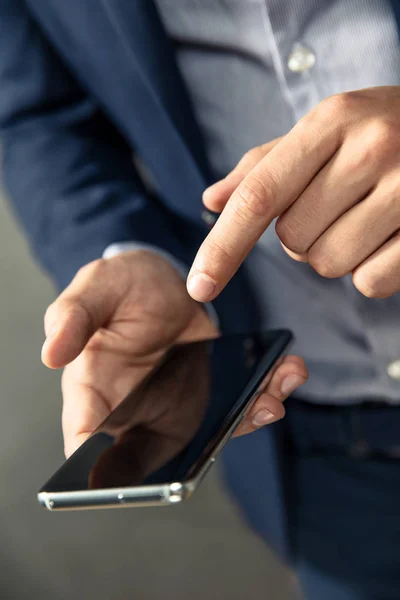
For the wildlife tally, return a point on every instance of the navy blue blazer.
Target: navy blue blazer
(83, 84)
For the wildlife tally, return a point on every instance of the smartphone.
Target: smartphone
(158, 444)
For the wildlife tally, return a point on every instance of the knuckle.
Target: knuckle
(330, 109)
(308, 121)
(324, 267)
(291, 236)
(93, 269)
(362, 159)
(312, 121)
(256, 197)
(381, 136)
(83, 272)
(338, 104)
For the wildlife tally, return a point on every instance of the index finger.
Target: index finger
(265, 193)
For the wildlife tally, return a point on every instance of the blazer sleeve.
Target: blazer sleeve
(68, 172)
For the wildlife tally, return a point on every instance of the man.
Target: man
(188, 86)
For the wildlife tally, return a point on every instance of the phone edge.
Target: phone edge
(160, 495)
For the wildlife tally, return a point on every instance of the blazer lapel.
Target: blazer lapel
(396, 9)
(139, 27)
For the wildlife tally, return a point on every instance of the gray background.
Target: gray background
(199, 550)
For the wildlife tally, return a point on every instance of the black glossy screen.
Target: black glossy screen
(168, 425)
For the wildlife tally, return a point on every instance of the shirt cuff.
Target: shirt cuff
(181, 268)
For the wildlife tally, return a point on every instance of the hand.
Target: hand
(113, 324)
(334, 183)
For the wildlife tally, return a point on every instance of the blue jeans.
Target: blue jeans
(344, 500)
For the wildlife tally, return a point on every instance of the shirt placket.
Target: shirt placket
(293, 58)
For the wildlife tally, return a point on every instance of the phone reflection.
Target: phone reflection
(155, 422)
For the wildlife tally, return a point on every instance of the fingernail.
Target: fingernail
(263, 417)
(290, 384)
(200, 287)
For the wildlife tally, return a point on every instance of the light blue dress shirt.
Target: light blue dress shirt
(253, 68)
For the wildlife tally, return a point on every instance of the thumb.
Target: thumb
(216, 196)
(84, 306)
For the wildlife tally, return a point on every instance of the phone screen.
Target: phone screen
(165, 429)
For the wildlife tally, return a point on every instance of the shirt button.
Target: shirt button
(301, 59)
(208, 218)
(393, 370)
